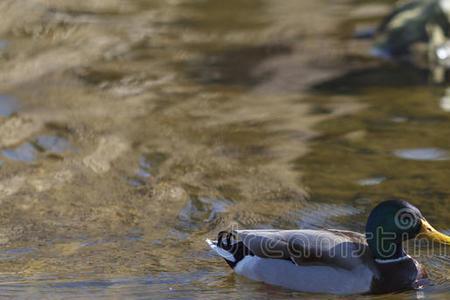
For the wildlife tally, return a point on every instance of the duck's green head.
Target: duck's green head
(393, 221)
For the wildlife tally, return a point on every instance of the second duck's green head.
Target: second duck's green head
(393, 221)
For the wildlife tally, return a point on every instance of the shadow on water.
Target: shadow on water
(389, 75)
(235, 67)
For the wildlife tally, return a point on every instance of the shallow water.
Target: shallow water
(134, 130)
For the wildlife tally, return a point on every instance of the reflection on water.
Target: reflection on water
(8, 105)
(53, 144)
(422, 154)
(12, 254)
(371, 181)
(26, 153)
(445, 101)
(152, 125)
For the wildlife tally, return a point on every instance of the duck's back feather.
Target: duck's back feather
(333, 248)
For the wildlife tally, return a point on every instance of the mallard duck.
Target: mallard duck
(407, 25)
(334, 261)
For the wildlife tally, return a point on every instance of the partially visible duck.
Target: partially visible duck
(408, 24)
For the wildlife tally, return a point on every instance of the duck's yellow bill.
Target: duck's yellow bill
(428, 231)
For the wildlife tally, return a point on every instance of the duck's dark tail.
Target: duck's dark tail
(229, 248)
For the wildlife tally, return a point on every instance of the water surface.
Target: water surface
(147, 126)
